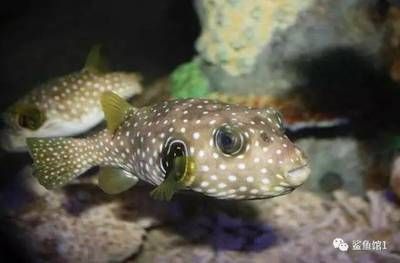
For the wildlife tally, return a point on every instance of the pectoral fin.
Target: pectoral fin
(116, 180)
(180, 176)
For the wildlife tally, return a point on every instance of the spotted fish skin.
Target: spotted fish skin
(269, 165)
(70, 105)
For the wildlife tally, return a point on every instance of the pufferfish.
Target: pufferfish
(67, 105)
(221, 150)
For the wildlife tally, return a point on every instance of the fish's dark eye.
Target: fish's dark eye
(229, 140)
(30, 121)
(172, 149)
(29, 117)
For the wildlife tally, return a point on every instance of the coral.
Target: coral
(307, 225)
(96, 236)
(311, 224)
(188, 81)
(82, 224)
(235, 31)
(229, 232)
(298, 33)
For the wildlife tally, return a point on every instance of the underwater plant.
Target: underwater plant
(188, 81)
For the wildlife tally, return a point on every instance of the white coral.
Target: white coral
(235, 31)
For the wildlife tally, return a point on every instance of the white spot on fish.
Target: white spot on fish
(242, 189)
(196, 135)
(265, 180)
(221, 185)
(205, 168)
(232, 178)
(250, 179)
(204, 184)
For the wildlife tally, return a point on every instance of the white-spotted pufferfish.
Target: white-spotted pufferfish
(221, 150)
(67, 105)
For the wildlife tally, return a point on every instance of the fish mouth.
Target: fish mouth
(285, 191)
(298, 176)
(288, 189)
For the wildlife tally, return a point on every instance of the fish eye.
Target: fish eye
(229, 140)
(173, 148)
(28, 116)
(31, 121)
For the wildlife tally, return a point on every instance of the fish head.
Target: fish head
(21, 121)
(28, 120)
(241, 153)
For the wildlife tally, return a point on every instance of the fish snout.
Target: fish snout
(299, 174)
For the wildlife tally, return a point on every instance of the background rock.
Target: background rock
(336, 164)
(306, 225)
(299, 36)
(83, 224)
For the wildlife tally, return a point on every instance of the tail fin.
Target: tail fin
(59, 160)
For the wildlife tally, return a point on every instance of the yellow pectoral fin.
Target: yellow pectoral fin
(116, 180)
(178, 178)
(115, 109)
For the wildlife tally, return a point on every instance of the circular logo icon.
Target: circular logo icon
(337, 242)
(343, 247)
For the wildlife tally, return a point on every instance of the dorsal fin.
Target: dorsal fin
(115, 109)
(95, 62)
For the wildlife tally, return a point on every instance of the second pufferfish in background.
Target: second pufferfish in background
(221, 150)
(65, 106)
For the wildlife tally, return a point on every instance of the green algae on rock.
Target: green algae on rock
(188, 81)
